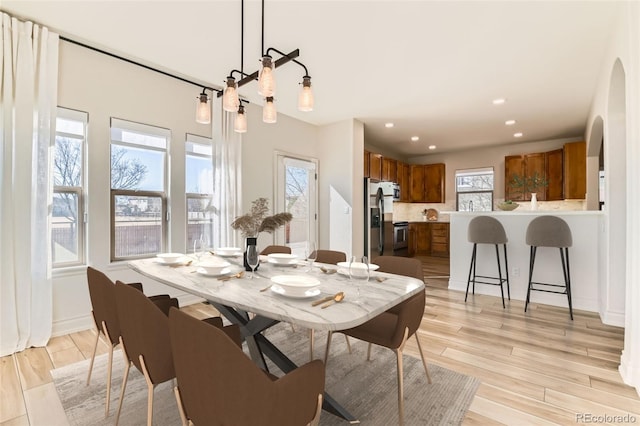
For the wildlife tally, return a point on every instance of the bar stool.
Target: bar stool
(550, 231)
(487, 230)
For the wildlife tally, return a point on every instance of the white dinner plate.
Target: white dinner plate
(279, 262)
(295, 281)
(228, 254)
(176, 262)
(309, 293)
(202, 271)
(345, 265)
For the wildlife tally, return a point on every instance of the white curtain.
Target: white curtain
(227, 185)
(28, 94)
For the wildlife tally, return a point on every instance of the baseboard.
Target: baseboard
(630, 373)
(72, 325)
(612, 318)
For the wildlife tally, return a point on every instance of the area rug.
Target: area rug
(367, 389)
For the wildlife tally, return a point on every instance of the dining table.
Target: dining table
(256, 304)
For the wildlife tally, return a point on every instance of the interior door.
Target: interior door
(296, 193)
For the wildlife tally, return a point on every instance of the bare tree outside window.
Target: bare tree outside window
(474, 189)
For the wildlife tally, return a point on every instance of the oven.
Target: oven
(401, 239)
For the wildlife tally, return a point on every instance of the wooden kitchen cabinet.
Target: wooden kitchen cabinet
(404, 173)
(427, 183)
(555, 189)
(439, 239)
(389, 170)
(375, 166)
(526, 166)
(575, 170)
(429, 238)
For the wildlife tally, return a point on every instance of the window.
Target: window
(67, 217)
(199, 189)
(138, 189)
(474, 190)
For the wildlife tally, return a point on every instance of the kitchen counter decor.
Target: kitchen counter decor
(508, 205)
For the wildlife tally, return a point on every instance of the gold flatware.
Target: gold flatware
(181, 264)
(328, 271)
(324, 299)
(228, 277)
(380, 279)
(266, 288)
(337, 298)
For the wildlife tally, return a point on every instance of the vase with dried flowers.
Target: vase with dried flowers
(256, 221)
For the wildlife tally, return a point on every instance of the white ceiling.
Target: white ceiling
(430, 67)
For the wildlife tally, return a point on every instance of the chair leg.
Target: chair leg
(316, 418)
(471, 268)
(532, 258)
(500, 276)
(183, 415)
(346, 338)
(369, 352)
(124, 380)
(109, 369)
(400, 387)
(506, 268)
(424, 362)
(567, 277)
(147, 378)
(93, 356)
(311, 336)
(326, 351)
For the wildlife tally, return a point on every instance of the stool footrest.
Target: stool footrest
(497, 281)
(548, 285)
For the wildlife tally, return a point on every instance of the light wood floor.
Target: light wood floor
(534, 368)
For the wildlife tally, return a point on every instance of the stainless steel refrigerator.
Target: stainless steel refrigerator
(378, 218)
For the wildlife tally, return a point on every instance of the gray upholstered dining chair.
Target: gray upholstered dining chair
(393, 328)
(550, 231)
(105, 316)
(487, 230)
(275, 249)
(217, 384)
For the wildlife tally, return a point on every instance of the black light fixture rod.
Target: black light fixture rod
(113, 55)
(249, 78)
(262, 46)
(242, 38)
(293, 60)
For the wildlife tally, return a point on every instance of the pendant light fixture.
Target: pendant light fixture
(240, 122)
(269, 113)
(230, 100)
(203, 109)
(305, 98)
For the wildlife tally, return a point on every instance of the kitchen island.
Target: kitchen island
(584, 264)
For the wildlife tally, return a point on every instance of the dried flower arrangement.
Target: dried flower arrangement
(256, 221)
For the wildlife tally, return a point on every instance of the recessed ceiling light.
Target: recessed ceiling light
(499, 101)
(517, 135)
(415, 138)
(510, 122)
(432, 147)
(388, 125)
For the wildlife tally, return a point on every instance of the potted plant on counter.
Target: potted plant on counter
(529, 184)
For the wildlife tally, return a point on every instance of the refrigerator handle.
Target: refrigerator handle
(380, 199)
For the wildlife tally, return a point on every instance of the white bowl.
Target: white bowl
(358, 265)
(296, 285)
(213, 266)
(282, 258)
(227, 251)
(169, 257)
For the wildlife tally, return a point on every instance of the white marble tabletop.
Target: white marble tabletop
(244, 293)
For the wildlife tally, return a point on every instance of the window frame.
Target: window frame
(475, 172)
(79, 191)
(163, 195)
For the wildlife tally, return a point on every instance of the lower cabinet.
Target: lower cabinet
(429, 238)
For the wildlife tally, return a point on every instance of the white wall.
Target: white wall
(621, 214)
(340, 149)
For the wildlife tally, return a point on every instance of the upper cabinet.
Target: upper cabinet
(389, 170)
(375, 166)
(404, 179)
(365, 166)
(427, 183)
(564, 171)
(575, 170)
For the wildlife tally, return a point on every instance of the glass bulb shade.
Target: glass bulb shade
(230, 100)
(240, 123)
(203, 110)
(269, 114)
(266, 79)
(305, 99)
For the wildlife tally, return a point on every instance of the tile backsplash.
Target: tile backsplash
(412, 212)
